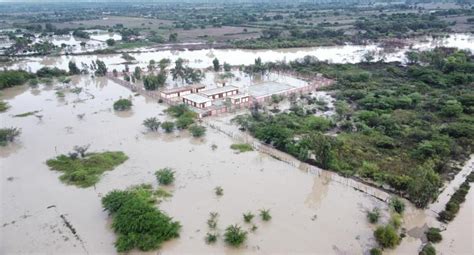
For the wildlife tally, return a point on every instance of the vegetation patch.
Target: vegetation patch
(428, 249)
(84, 169)
(397, 125)
(25, 114)
(122, 105)
(434, 235)
(454, 203)
(235, 236)
(241, 147)
(165, 176)
(8, 135)
(4, 106)
(136, 220)
(197, 130)
(373, 216)
(184, 116)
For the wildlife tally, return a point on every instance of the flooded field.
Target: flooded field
(309, 212)
(203, 58)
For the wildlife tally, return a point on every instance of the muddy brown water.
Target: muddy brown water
(309, 214)
(42, 215)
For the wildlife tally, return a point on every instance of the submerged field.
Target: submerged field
(310, 212)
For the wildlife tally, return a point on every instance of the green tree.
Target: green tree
(216, 64)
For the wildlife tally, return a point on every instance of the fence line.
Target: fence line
(287, 158)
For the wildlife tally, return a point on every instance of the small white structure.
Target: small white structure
(239, 98)
(181, 91)
(220, 92)
(197, 100)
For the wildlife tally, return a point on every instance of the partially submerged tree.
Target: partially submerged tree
(152, 124)
(122, 105)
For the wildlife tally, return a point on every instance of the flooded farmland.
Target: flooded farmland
(203, 58)
(310, 212)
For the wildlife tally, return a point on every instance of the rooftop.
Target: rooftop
(210, 92)
(184, 88)
(197, 98)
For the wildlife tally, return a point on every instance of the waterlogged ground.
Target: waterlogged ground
(310, 213)
(203, 58)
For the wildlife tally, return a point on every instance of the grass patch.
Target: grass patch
(86, 171)
(136, 221)
(241, 147)
(26, 114)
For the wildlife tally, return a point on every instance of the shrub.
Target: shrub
(137, 222)
(219, 191)
(373, 216)
(242, 147)
(168, 126)
(152, 124)
(434, 235)
(211, 238)
(265, 215)
(387, 236)
(8, 135)
(248, 217)
(428, 249)
(234, 236)
(212, 221)
(452, 207)
(85, 171)
(397, 205)
(3, 106)
(375, 251)
(396, 220)
(122, 105)
(184, 122)
(165, 176)
(197, 131)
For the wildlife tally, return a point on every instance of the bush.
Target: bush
(197, 131)
(397, 205)
(234, 236)
(122, 105)
(373, 216)
(219, 191)
(86, 170)
(211, 238)
(396, 220)
(248, 217)
(265, 215)
(10, 78)
(242, 147)
(138, 223)
(168, 126)
(375, 251)
(387, 236)
(184, 122)
(152, 124)
(434, 235)
(3, 106)
(8, 135)
(452, 207)
(165, 176)
(428, 249)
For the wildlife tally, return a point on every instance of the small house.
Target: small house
(220, 92)
(197, 100)
(181, 91)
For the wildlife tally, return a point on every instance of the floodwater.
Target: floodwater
(203, 58)
(310, 214)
